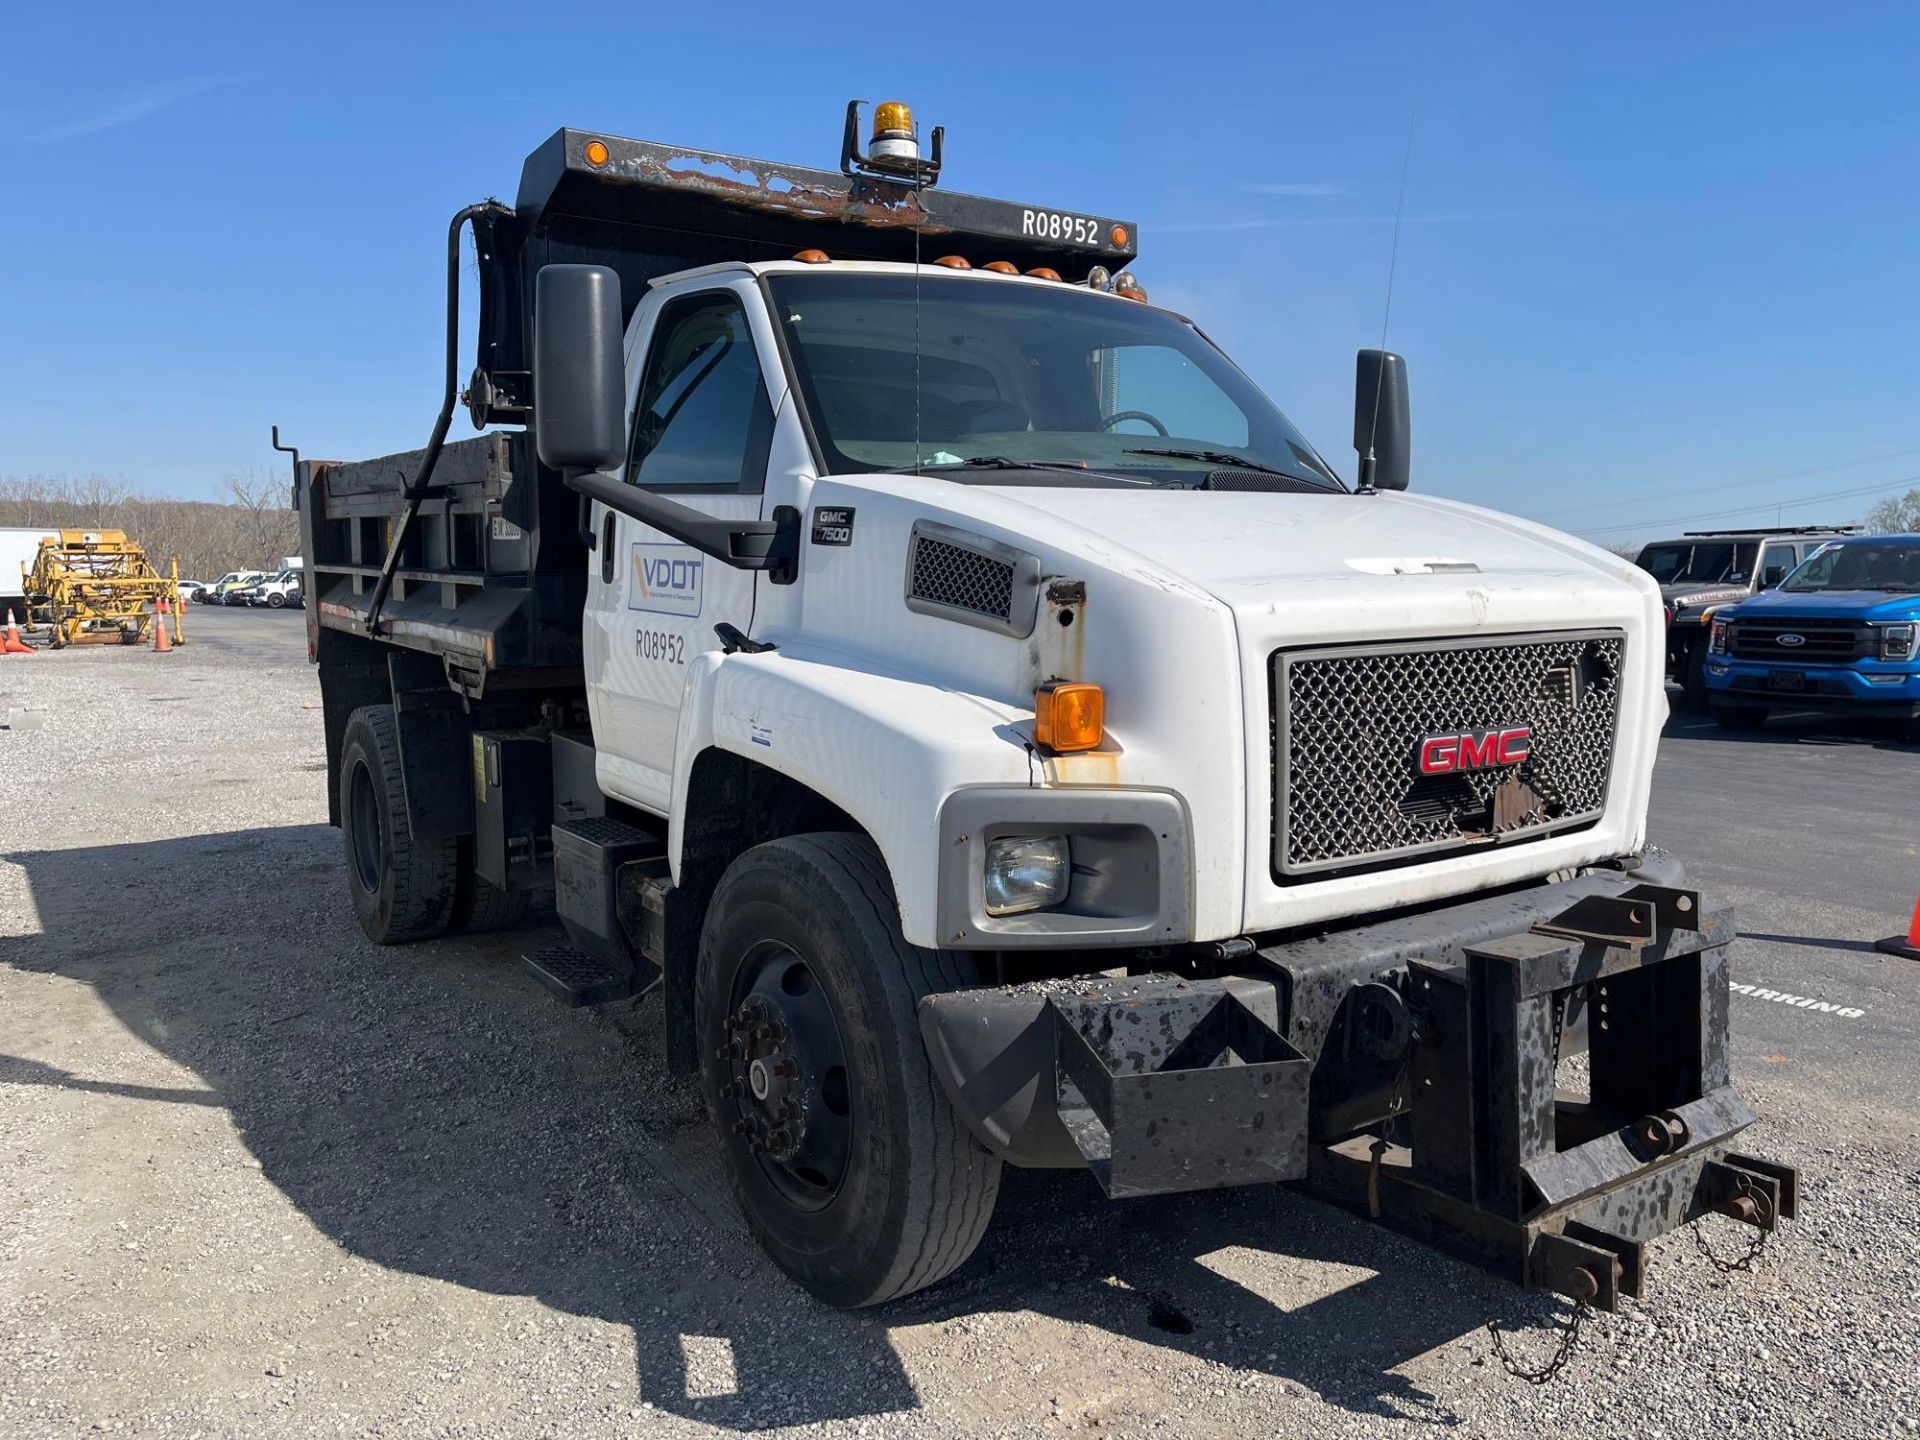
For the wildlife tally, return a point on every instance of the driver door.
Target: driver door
(700, 426)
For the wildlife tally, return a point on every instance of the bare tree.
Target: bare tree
(273, 528)
(1896, 515)
(208, 538)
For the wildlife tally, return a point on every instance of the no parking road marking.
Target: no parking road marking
(1799, 1002)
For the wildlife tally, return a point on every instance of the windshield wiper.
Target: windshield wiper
(1056, 467)
(1237, 462)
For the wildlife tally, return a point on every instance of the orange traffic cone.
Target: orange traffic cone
(13, 644)
(1907, 945)
(161, 644)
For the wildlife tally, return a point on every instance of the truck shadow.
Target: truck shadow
(430, 1111)
(1793, 728)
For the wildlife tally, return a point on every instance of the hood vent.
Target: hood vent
(961, 576)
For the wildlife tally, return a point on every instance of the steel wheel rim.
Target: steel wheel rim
(786, 1095)
(363, 820)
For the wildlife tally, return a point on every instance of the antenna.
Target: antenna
(1393, 264)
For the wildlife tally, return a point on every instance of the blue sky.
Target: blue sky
(1658, 262)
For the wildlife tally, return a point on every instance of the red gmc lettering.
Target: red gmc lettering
(1476, 750)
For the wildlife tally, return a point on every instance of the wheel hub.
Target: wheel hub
(786, 1077)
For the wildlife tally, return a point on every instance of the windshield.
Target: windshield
(1682, 562)
(1894, 567)
(904, 373)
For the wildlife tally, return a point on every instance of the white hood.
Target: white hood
(1414, 564)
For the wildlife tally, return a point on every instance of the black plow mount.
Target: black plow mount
(1408, 1070)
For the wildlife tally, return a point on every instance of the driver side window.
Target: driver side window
(703, 421)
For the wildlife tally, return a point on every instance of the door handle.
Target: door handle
(606, 549)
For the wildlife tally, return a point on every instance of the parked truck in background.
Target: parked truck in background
(1836, 637)
(19, 545)
(1703, 570)
(1002, 738)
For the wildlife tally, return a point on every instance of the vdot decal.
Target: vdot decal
(666, 579)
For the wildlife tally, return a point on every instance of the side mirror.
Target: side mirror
(1772, 576)
(579, 380)
(1382, 423)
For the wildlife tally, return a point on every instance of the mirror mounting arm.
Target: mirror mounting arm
(769, 545)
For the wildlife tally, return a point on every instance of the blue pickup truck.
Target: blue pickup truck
(1837, 635)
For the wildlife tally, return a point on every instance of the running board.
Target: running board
(575, 978)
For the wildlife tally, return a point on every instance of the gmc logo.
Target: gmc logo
(1475, 750)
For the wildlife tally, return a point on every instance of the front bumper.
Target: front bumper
(1871, 687)
(1406, 1069)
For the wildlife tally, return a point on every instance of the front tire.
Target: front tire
(1695, 673)
(275, 602)
(853, 1171)
(402, 889)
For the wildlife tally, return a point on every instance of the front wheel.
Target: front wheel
(1694, 674)
(274, 602)
(853, 1171)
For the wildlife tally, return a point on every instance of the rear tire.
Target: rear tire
(402, 889)
(482, 906)
(877, 1188)
(1740, 717)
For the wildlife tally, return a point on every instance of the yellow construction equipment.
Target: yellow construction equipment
(97, 586)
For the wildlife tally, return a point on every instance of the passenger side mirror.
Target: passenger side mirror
(1772, 576)
(1382, 423)
(579, 380)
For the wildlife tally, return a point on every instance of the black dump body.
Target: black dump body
(487, 566)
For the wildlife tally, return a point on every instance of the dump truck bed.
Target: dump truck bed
(484, 579)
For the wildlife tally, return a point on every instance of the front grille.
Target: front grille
(1820, 642)
(1349, 724)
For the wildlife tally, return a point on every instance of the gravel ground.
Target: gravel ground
(258, 1177)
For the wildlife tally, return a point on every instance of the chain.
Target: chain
(1569, 1337)
(1763, 1208)
(1747, 1261)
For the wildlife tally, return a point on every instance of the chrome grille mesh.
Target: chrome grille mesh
(946, 574)
(1348, 725)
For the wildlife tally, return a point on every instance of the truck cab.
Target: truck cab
(1835, 637)
(996, 735)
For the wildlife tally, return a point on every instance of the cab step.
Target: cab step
(576, 978)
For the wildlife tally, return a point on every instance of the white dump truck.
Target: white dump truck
(1002, 737)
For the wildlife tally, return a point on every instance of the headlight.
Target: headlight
(1717, 638)
(1896, 642)
(1025, 872)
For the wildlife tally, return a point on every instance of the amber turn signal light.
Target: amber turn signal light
(1069, 715)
